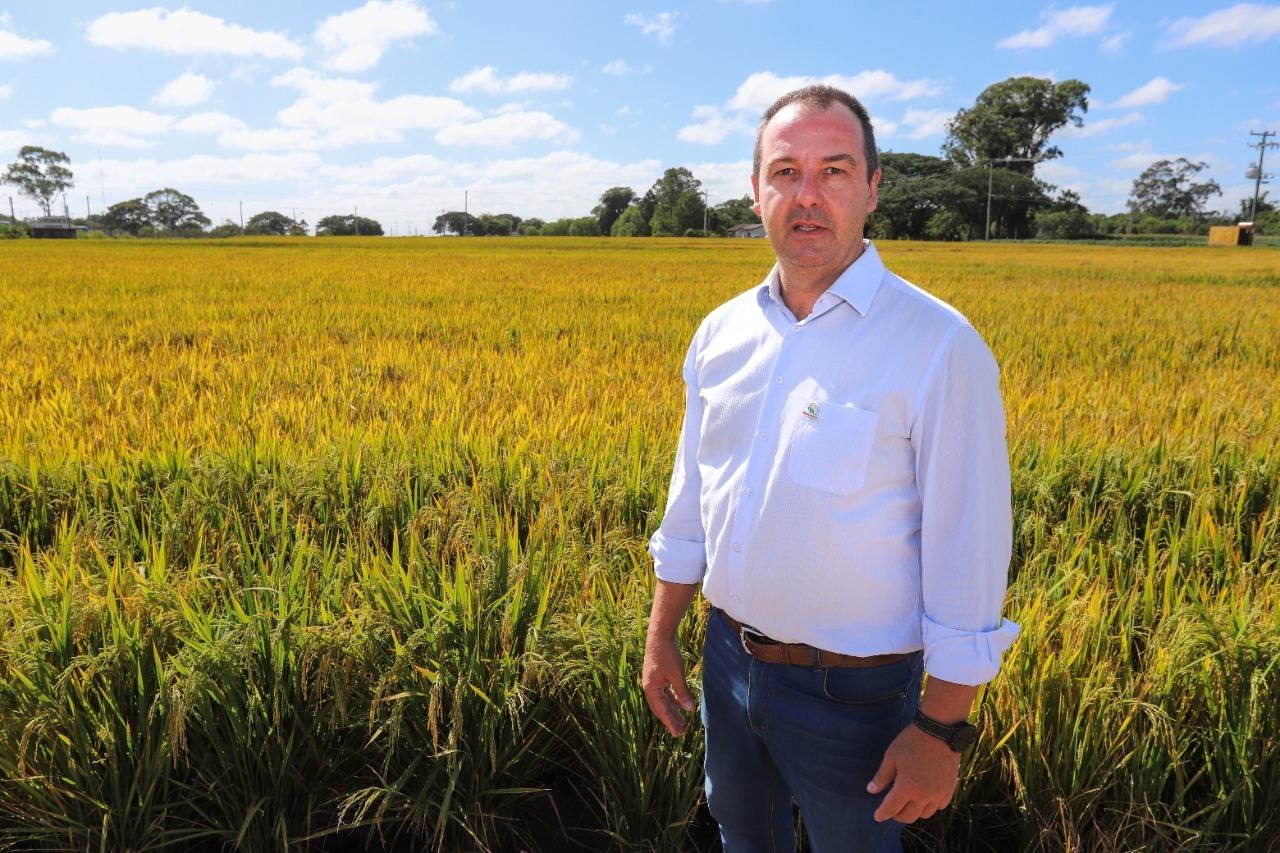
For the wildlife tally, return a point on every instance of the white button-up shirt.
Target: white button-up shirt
(843, 480)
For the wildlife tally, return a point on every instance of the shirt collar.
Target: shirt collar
(857, 285)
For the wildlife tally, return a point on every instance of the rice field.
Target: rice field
(308, 544)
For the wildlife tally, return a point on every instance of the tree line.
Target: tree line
(983, 185)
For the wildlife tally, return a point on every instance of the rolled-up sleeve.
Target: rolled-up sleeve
(966, 526)
(679, 547)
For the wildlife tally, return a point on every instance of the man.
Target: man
(841, 494)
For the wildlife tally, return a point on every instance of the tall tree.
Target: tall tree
(613, 202)
(1014, 119)
(678, 205)
(913, 189)
(274, 223)
(348, 225)
(499, 224)
(458, 222)
(176, 212)
(40, 175)
(1167, 189)
(735, 211)
(632, 223)
(129, 217)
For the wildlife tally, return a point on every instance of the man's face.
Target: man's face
(812, 191)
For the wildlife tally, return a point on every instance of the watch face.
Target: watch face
(964, 738)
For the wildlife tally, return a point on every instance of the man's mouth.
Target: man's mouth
(801, 226)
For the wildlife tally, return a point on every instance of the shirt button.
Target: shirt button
(779, 380)
(750, 492)
(763, 436)
(737, 547)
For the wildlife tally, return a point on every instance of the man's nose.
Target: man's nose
(808, 192)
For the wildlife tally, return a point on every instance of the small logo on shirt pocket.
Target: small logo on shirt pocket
(831, 448)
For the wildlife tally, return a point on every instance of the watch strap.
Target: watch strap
(958, 738)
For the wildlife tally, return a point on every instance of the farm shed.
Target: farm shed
(53, 228)
(1231, 235)
(747, 230)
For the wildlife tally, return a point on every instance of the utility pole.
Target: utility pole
(88, 214)
(241, 218)
(1258, 178)
(990, 170)
(12, 216)
(356, 220)
(705, 201)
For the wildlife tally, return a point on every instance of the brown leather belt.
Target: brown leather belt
(763, 648)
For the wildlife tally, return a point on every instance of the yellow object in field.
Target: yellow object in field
(1231, 235)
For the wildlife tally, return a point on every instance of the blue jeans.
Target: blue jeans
(777, 733)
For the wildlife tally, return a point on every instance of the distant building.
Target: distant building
(747, 230)
(53, 228)
(1231, 235)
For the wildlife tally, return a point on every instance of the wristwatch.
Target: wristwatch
(958, 737)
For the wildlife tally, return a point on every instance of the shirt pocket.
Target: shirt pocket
(831, 447)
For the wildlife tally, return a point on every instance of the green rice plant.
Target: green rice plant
(332, 544)
(645, 786)
(460, 711)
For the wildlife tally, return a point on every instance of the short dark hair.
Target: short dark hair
(822, 97)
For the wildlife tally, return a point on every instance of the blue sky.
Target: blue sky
(402, 109)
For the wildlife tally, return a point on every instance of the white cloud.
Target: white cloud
(185, 91)
(1076, 21)
(722, 181)
(761, 89)
(356, 40)
(387, 168)
(231, 132)
(6, 92)
(346, 112)
(1155, 92)
(487, 80)
(505, 130)
(14, 46)
(129, 177)
(617, 68)
(1097, 128)
(1056, 172)
(211, 123)
(14, 139)
(273, 139)
(926, 123)
(1141, 155)
(714, 127)
(187, 32)
(122, 126)
(1246, 23)
(1115, 44)
(561, 183)
(323, 89)
(662, 25)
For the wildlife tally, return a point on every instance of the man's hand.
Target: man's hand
(664, 683)
(923, 772)
(663, 680)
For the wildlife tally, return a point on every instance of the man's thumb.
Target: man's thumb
(683, 696)
(882, 779)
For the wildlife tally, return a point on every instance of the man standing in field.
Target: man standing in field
(841, 494)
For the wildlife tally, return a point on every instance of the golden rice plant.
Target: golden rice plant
(314, 543)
